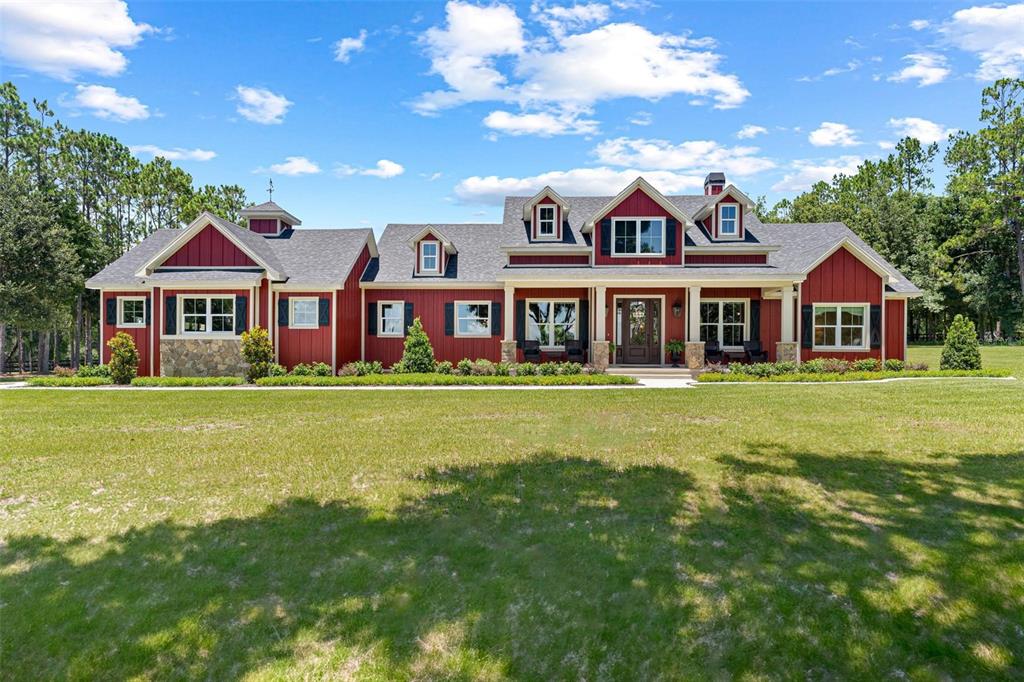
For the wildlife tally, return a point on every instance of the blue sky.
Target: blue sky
(369, 113)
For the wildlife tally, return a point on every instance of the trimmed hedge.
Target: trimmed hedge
(150, 382)
(450, 380)
(59, 382)
(808, 378)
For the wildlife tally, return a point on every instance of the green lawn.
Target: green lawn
(752, 532)
(992, 357)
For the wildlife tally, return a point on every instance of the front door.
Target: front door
(639, 321)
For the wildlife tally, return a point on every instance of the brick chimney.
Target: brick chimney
(714, 183)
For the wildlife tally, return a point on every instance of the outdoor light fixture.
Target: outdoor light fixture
(677, 308)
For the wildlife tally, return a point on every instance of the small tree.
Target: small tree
(258, 352)
(419, 354)
(124, 358)
(961, 350)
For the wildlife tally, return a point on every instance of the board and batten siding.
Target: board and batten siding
(309, 344)
(350, 312)
(263, 225)
(842, 278)
(209, 248)
(637, 204)
(895, 329)
(142, 336)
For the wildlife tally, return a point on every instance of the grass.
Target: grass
(58, 382)
(449, 380)
(833, 377)
(756, 532)
(187, 381)
(992, 357)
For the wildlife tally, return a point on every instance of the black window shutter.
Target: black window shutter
(408, 316)
(584, 323)
(496, 318)
(112, 310)
(670, 237)
(876, 326)
(171, 315)
(449, 319)
(149, 313)
(282, 312)
(755, 320)
(807, 326)
(324, 311)
(606, 237)
(371, 319)
(241, 314)
(520, 323)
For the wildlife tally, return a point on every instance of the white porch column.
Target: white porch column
(600, 301)
(509, 312)
(788, 329)
(693, 315)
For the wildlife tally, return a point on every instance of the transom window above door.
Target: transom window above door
(552, 323)
(638, 237)
(724, 322)
(546, 221)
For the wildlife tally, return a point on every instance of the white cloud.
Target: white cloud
(430, 177)
(806, 172)
(926, 68)
(691, 155)
(292, 165)
(850, 66)
(748, 131)
(105, 102)
(384, 169)
(920, 24)
(61, 39)
(995, 33)
(175, 154)
(544, 124)
(831, 134)
(483, 54)
(886, 145)
(260, 105)
(580, 181)
(344, 48)
(642, 118)
(921, 128)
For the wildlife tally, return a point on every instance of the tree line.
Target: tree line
(964, 247)
(72, 201)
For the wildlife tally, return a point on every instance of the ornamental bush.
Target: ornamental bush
(464, 367)
(89, 371)
(361, 368)
(418, 356)
(961, 350)
(302, 370)
(322, 369)
(526, 369)
(866, 365)
(124, 358)
(894, 365)
(444, 367)
(258, 352)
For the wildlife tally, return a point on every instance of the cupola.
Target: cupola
(269, 219)
(714, 183)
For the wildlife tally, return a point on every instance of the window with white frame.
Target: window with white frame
(207, 314)
(472, 318)
(724, 322)
(840, 326)
(552, 323)
(546, 221)
(638, 237)
(304, 313)
(131, 311)
(391, 320)
(728, 220)
(430, 257)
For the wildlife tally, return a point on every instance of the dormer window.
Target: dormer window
(728, 221)
(430, 257)
(546, 222)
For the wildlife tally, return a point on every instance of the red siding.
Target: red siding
(263, 225)
(141, 335)
(263, 304)
(637, 204)
(304, 345)
(428, 305)
(158, 328)
(842, 278)
(536, 219)
(895, 330)
(549, 260)
(675, 327)
(726, 259)
(350, 312)
(209, 248)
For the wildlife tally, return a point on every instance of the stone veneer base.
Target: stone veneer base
(508, 351)
(695, 354)
(201, 358)
(599, 351)
(785, 351)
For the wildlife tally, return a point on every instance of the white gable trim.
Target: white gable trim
(429, 230)
(546, 193)
(650, 191)
(728, 191)
(867, 259)
(205, 218)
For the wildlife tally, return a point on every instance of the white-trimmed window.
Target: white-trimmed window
(303, 312)
(131, 311)
(391, 318)
(552, 323)
(728, 220)
(546, 221)
(207, 314)
(638, 237)
(430, 257)
(472, 318)
(724, 321)
(840, 326)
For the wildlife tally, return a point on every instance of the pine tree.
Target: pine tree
(961, 350)
(419, 354)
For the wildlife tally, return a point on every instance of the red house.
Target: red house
(609, 278)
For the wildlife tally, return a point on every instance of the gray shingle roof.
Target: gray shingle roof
(479, 257)
(122, 271)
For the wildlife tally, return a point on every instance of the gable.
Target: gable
(637, 204)
(728, 199)
(842, 277)
(209, 248)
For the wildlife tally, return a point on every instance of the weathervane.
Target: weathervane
(270, 189)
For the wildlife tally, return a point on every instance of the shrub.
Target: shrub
(124, 358)
(322, 369)
(894, 365)
(756, 369)
(526, 369)
(59, 371)
(787, 367)
(302, 370)
(435, 379)
(443, 367)
(571, 368)
(464, 367)
(418, 356)
(591, 369)
(64, 382)
(916, 366)
(836, 366)
(815, 366)
(186, 381)
(399, 368)
(89, 371)
(716, 368)
(361, 368)
(482, 368)
(256, 346)
(961, 350)
(547, 369)
(502, 369)
(866, 365)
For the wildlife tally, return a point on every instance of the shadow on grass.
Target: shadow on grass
(798, 565)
